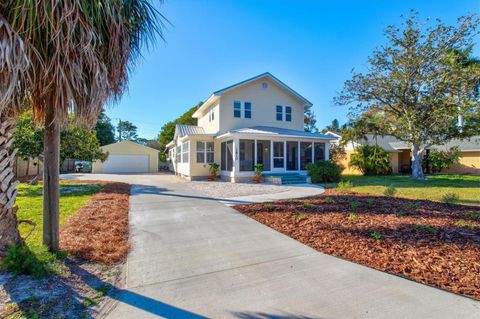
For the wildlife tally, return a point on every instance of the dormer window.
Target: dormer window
(284, 113)
(245, 112)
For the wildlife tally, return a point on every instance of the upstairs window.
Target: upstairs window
(242, 112)
(279, 113)
(288, 113)
(284, 113)
(237, 109)
(247, 112)
(211, 115)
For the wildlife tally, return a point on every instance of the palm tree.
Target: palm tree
(63, 57)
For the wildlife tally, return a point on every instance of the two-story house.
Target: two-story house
(259, 120)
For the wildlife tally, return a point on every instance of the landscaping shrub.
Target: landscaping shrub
(440, 160)
(450, 198)
(390, 191)
(22, 261)
(371, 160)
(345, 185)
(324, 171)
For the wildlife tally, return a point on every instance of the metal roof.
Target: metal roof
(184, 130)
(276, 131)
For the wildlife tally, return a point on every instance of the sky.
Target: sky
(312, 46)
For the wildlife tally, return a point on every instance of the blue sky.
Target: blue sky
(312, 46)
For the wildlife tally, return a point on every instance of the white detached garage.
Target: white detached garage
(127, 157)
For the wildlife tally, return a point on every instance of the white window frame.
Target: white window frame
(206, 152)
(185, 151)
(243, 110)
(283, 112)
(211, 114)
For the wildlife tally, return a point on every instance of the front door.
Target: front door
(278, 157)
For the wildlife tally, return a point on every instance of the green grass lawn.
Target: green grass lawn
(30, 205)
(465, 186)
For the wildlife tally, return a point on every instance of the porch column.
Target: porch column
(255, 151)
(298, 156)
(327, 150)
(236, 161)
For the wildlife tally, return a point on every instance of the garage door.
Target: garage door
(126, 164)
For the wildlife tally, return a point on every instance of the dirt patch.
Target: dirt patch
(99, 230)
(425, 241)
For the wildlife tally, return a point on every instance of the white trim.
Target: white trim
(260, 135)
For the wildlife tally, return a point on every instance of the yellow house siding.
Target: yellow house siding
(128, 148)
(469, 164)
(264, 102)
(210, 126)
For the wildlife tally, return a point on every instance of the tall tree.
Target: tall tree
(104, 129)
(168, 129)
(75, 142)
(310, 121)
(334, 127)
(63, 57)
(126, 131)
(418, 88)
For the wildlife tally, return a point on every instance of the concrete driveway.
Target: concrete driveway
(194, 257)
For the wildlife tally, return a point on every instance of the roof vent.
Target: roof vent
(264, 85)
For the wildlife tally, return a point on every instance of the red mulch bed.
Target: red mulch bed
(99, 230)
(429, 242)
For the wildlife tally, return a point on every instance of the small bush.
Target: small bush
(308, 205)
(268, 206)
(401, 213)
(329, 199)
(426, 228)
(440, 160)
(353, 216)
(413, 205)
(22, 261)
(355, 204)
(376, 235)
(324, 172)
(371, 160)
(298, 216)
(472, 216)
(390, 191)
(465, 224)
(450, 198)
(371, 200)
(345, 185)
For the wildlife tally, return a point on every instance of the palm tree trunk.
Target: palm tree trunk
(417, 155)
(51, 191)
(8, 219)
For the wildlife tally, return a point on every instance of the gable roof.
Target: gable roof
(266, 75)
(128, 142)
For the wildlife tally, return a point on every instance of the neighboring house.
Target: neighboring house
(259, 120)
(127, 157)
(400, 158)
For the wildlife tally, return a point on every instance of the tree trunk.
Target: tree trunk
(51, 190)
(8, 219)
(417, 155)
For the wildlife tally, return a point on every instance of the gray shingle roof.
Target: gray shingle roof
(392, 144)
(267, 130)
